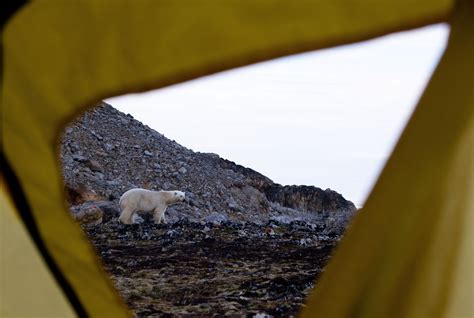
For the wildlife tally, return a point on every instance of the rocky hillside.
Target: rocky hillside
(241, 245)
(106, 152)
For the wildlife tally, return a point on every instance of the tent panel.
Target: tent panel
(27, 287)
(409, 253)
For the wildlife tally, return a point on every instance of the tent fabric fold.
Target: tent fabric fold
(408, 253)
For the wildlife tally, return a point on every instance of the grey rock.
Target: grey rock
(79, 158)
(89, 214)
(137, 219)
(99, 175)
(216, 218)
(168, 186)
(94, 165)
(109, 147)
(96, 135)
(73, 148)
(110, 209)
(111, 183)
(172, 233)
(233, 205)
(148, 153)
(305, 241)
(86, 170)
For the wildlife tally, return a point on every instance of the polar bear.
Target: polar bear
(142, 200)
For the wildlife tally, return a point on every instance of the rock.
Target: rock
(212, 155)
(233, 206)
(99, 176)
(94, 165)
(138, 219)
(172, 233)
(148, 153)
(79, 158)
(78, 194)
(89, 214)
(182, 170)
(109, 147)
(168, 186)
(308, 198)
(110, 210)
(284, 219)
(86, 170)
(74, 147)
(216, 218)
(113, 182)
(304, 241)
(99, 137)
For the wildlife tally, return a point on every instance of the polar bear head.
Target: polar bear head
(176, 196)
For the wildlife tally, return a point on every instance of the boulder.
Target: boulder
(78, 194)
(88, 214)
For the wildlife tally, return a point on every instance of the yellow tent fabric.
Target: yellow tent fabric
(410, 251)
(25, 281)
(60, 57)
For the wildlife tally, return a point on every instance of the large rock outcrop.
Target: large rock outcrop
(308, 198)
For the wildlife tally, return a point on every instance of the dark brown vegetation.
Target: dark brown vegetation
(213, 269)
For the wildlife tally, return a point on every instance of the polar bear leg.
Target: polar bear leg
(159, 214)
(163, 218)
(126, 217)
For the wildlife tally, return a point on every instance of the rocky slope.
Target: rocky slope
(241, 246)
(106, 152)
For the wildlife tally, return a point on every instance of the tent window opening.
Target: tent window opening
(228, 194)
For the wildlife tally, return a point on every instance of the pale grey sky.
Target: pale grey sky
(328, 118)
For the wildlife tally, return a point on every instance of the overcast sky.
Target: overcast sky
(329, 118)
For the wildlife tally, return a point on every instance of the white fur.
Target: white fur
(141, 200)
